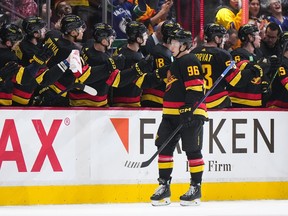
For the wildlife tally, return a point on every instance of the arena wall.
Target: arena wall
(77, 155)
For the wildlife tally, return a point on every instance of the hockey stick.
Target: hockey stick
(38, 100)
(131, 164)
(277, 71)
(87, 89)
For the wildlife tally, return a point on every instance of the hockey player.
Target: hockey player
(129, 96)
(35, 30)
(153, 97)
(252, 94)
(184, 88)
(72, 28)
(279, 96)
(97, 54)
(11, 35)
(214, 61)
(250, 41)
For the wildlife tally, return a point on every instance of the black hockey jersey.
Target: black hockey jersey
(279, 96)
(153, 97)
(249, 95)
(185, 86)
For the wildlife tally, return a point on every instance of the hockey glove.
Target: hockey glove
(43, 56)
(8, 71)
(161, 73)
(275, 63)
(144, 65)
(188, 119)
(74, 63)
(116, 62)
(257, 70)
(265, 87)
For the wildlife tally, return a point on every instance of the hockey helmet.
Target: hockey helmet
(135, 29)
(71, 22)
(246, 30)
(212, 30)
(167, 29)
(182, 36)
(33, 24)
(102, 31)
(10, 32)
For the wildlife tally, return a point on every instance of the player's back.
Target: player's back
(214, 61)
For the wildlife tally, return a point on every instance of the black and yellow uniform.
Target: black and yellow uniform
(185, 88)
(214, 61)
(6, 87)
(153, 97)
(62, 49)
(22, 75)
(26, 50)
(128, 96)
(249, 95)
(80, 98)
(279, 96)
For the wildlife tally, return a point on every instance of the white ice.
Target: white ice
(221, 208)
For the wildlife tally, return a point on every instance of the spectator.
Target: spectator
(23, 7)
(62, 8)
(231, 41)
(125, 11)
(274, 8)
(229, 15)
(256, 18)
(43, 14)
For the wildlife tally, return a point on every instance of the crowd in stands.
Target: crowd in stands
(56, 65)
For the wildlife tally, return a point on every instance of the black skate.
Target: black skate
(192, 196)
(161, 197)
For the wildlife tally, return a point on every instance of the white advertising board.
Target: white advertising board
(75, 146)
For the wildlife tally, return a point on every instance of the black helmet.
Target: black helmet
(182, 36)
(246, 30)
(71, 22)
(101, 31)
(212, 29)
(135, 29)
(167, 28)
(10, 32)
(33, 24)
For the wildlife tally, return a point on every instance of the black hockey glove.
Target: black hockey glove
(265, 87)
(144, 65)
(8, 71)
(116, 62)
(188, 119)
(257, 70)
(275, 63)
(161, 73)
(43, 56)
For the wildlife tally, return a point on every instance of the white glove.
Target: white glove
(75, 63)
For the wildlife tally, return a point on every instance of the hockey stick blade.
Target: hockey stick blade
(88, 89)
(130, 164)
